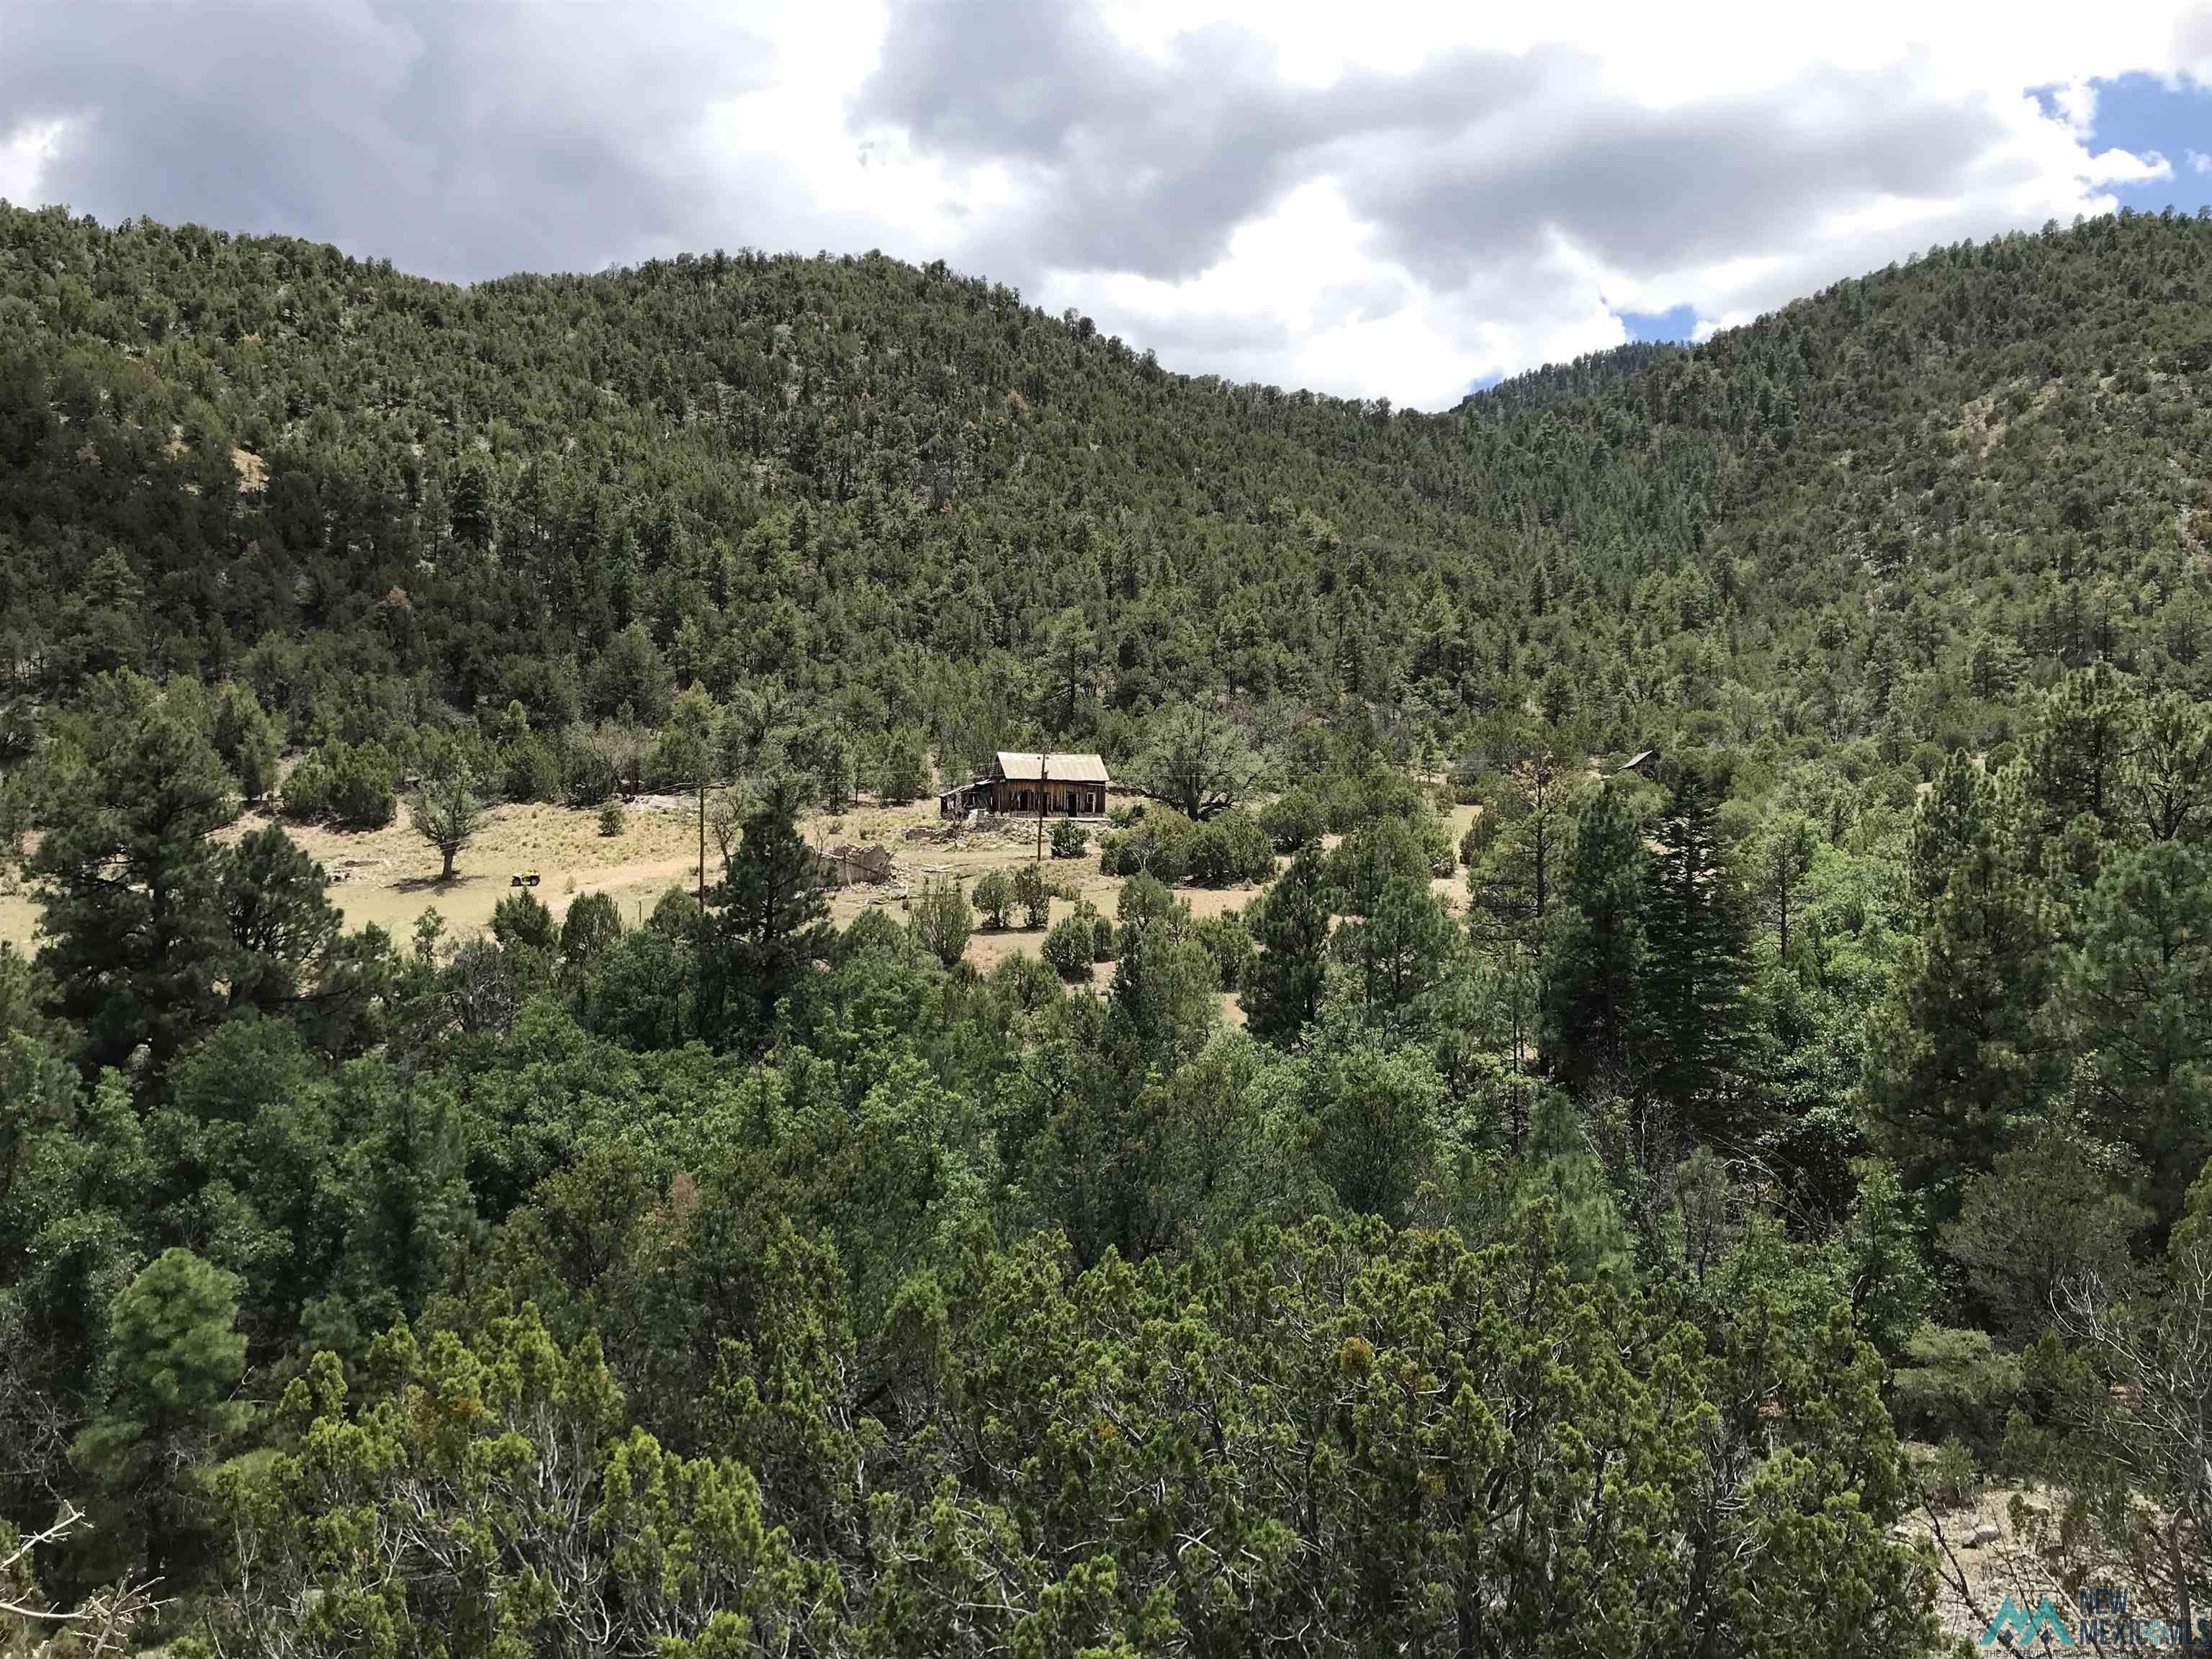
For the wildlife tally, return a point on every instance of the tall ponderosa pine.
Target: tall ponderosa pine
(766, 920)
(2132, 1002)
(1401, 952)
(2073, 774)
(278, 914)
(127, 873)
(2077, 748)
(1290, 924)
(686, 757)
(1782, 865)
(245, 738)
(178, 1357)
(2165, 790)
(1955, 1052)
(1512, 880)
(1693, 984)
(1596, 957)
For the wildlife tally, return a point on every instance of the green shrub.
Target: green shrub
(1228, 942)
(1022, 981)
(1069, 946)
(1070, 839)
(1233, 847)
(354, 787)
(1157, 845)
(1170, 848)
(1294, 819)
(363, 794)
(520, 919)
(675, 914)
(1436, 841)
(587, 775)
(612, 820)
(1470, 779)
(1033, 896)
(939, 923)
(307, 793)
(1373, 855)
(993, 896)
(529, 769)
(593, 924)
(1952, 1479)
(1955, 1383)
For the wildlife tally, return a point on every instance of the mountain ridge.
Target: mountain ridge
(776, 449)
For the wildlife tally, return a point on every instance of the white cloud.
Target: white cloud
(24, 155)
(1969, 153)
(1391, 199)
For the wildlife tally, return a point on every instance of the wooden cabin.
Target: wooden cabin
(1022, 783)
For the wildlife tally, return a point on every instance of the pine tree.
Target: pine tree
(1401, 951)
(2166, 789)
(128, 875)
(2133, 1003)
(766, 918)
(1559, 1168)
(1290, 925)
(1782, 865)
(245, 738)
(2076, 750)
(686, 757)
(277, 912)
(1693, 987)
(1955, 1056)
(1594, 1020)
(178, 1355)
(904, 774)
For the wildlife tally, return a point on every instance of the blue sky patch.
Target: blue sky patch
(1673, 324)
(2138, 113)
(2142, 115)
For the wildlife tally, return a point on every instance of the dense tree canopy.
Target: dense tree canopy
(1554, 1205)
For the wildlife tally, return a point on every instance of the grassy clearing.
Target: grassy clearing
(388, 877)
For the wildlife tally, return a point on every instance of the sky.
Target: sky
(1382, 199)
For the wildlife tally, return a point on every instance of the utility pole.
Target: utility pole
(1044, 766)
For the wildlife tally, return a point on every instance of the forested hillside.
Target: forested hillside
(1621, 1212)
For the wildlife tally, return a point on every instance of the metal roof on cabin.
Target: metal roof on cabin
(1021, 766)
